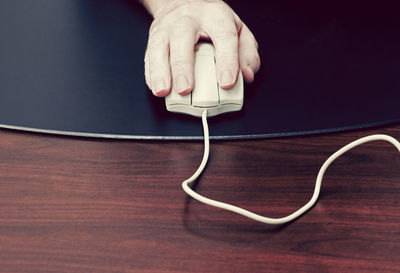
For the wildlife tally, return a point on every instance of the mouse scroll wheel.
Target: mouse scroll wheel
(205, 92)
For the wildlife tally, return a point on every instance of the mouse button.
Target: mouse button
(233, 95)
(174, 98)
(205, 92)
(204, 49)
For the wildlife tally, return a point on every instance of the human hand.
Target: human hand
(177, 27)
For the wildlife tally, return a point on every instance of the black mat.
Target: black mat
(77, 66)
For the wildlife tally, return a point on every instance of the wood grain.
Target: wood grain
(89, 205)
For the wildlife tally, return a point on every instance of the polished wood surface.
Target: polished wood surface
(88, 205)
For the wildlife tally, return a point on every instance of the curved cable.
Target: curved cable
(258, 217)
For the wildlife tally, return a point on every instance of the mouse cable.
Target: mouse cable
(255, 216)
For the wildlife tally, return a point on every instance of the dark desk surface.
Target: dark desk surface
(84, 205)
(77, 66)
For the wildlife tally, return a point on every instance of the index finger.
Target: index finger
(182, 41)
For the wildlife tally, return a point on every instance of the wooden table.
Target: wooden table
(89, 205)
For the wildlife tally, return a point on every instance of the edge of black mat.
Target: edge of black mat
(193, 138)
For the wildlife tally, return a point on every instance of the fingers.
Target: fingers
(169, 58)
(157, 68)
(249, 58)
(226, 43)
(182, 41)
(171, 55)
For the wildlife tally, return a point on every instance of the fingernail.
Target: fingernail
(226, 78)
(162, 93)
(160, 88)
(181, 84)
(184, 93)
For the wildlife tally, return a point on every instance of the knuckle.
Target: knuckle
(181, 30)
(178, 64)
(258, 60)
(157, 40)
(227, 33)
(183, 22)
(255, 62)
(255, 44)
(184, 9)
(226, 60)
(254, 59)
(156, 77)
(154, 64)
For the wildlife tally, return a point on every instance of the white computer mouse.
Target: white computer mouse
(207, 94)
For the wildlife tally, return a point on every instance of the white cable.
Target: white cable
(260, 218)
